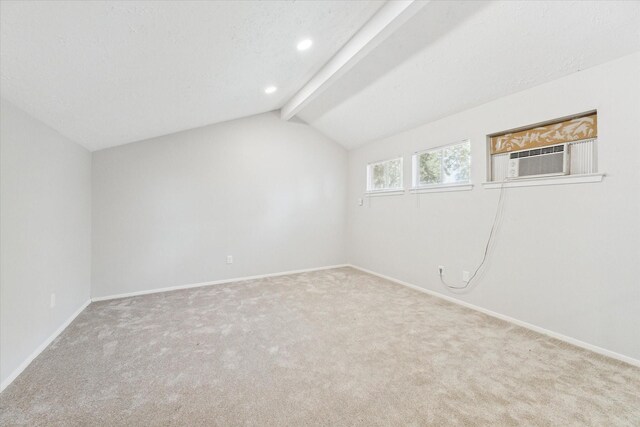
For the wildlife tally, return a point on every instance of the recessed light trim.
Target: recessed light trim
(305, 44)
(270, 89)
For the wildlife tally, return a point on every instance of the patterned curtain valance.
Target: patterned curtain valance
(555, 133)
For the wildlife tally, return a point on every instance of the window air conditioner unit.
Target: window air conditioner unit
(545, 161)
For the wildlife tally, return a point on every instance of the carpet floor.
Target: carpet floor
(334, 347)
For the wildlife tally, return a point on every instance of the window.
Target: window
(559, 147)
(385, 175)
(450, 164)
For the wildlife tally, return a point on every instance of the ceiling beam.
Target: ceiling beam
(391, 16)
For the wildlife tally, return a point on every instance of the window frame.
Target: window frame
(369, 177)
(593, 176)
(415, 169)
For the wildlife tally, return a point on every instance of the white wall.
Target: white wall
(168, 211)
(45, 223)
(566, 258)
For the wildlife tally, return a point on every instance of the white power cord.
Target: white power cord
(486, 248)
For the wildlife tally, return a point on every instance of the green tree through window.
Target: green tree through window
(456, 162)
(386, 175)
(445, 165)
(430, 170)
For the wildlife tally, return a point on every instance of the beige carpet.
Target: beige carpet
(335, 347)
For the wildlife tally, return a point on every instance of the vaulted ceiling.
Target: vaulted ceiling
(454, 55)
(110, 73)
(105, 73)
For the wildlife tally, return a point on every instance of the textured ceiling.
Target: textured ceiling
(455, 55)
(108, 73)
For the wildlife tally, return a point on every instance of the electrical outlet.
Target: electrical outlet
(441, 270)
(229, 259)
(52, 302)
(465, 276)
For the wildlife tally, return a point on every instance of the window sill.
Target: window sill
(442, 188)
(384, 193)
(551, 180)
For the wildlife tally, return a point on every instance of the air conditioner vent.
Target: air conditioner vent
(537, 151)
(539, 161)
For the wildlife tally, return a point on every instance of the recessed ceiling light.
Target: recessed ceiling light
(305, 44)
(270, 89)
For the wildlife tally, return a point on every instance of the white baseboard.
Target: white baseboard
(41, 347)
(62, 327)
(529, 326)
(573, 341)
(216, 282)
